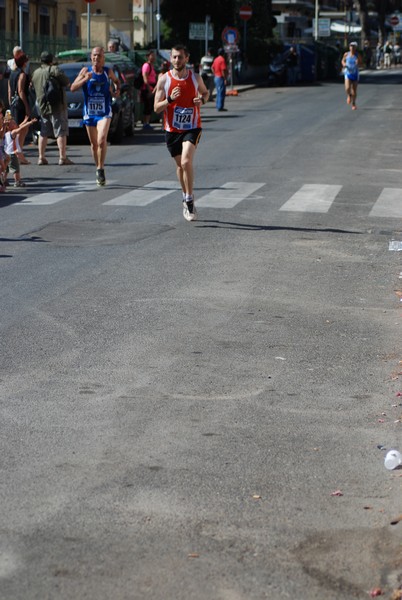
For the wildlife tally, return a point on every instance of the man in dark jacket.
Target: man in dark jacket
(53, 119)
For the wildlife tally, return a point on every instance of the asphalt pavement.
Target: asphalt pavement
(202, 410)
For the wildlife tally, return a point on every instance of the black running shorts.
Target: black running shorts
(174, 141)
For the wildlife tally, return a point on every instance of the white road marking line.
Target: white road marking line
(312, 198)
(145, 195)
(228, 195)
(59, 194)
(389, 204)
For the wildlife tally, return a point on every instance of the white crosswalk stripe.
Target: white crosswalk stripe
(228, 195)
(312, 197)
(59, 194)
(389, 204)
(145, 195)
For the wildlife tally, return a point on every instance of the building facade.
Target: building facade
(133, 23)
(39, 24)
(58, 25)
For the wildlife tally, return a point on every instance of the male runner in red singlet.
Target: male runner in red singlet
(179, 95)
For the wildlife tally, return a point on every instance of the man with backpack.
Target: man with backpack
(50, 85)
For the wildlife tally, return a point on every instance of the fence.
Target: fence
(34, 45)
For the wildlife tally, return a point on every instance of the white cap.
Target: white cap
(353, 44)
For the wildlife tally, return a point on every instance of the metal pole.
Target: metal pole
(245, 38)
(158, 31)
(88, 27)
(207, 19)
(20, 24)
(316, 21)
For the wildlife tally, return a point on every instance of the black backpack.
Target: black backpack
(138, 80)
(51, 91)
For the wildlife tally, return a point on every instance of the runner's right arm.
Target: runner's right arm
(83, 76)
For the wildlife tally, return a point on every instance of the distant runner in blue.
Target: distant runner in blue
(350, 64)
(96, 82)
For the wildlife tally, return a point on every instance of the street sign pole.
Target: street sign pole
(20, 24)
(207, 20)
(158, 28)
(245, 38)
(316, 21)
(245, 14)
(89, 2)
(89, 27)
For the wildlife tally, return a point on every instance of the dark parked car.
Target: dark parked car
(123, 107)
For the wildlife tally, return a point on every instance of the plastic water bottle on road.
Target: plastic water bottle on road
(392, 460)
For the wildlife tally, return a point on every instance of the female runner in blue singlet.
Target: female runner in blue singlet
(95, 82)
(350, 64)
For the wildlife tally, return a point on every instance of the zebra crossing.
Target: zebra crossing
(309, 198)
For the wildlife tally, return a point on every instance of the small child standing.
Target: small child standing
(12, 146)
(2, 162)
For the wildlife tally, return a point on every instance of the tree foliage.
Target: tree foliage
(382, 7)
(178, 14)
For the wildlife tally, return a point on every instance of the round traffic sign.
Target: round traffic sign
(230, 35)
(394, 20)
(246, 12)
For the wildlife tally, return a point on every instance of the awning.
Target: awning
(342, 27)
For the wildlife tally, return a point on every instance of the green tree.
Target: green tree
(382, 7)
(178, 14)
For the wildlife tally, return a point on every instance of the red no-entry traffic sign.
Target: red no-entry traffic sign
(394, 20)
(246, 12)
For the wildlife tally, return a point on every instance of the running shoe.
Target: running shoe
(189, 211)
(100, 177)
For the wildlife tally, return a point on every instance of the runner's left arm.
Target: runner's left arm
(113, 77)
(203, 93)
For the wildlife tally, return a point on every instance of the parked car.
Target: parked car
(123, 107)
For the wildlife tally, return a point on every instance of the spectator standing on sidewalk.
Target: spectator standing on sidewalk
(11, 145)
(397, 54)
(292, 65)
(53, 119)
(388, 53)
(18, 98)
(11, 64)
(112, 46)
(379, 55)
(148, 89)
(367, 54)
(206, 71)
(220, 71)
